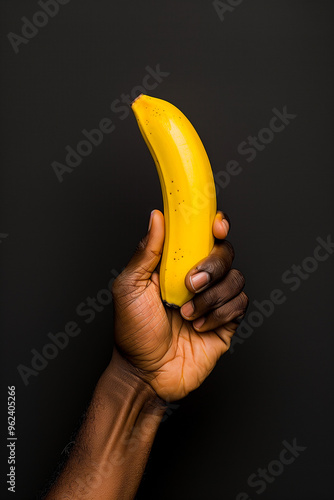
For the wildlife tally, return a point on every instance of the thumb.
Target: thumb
(149, 250)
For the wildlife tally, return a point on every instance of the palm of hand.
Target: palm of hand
(163, 346)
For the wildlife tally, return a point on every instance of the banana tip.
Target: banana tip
(136, 99)
(170, 304)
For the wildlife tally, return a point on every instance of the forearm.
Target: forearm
(113, 444)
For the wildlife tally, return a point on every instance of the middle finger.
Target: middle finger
(215, 296)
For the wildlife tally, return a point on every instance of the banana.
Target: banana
(188, 191)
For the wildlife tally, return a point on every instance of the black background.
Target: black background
(64, 239)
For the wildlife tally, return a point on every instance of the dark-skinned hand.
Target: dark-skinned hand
(171, 349)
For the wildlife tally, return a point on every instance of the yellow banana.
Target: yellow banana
(188, 190)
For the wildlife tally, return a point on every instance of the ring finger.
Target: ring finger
(222, 315)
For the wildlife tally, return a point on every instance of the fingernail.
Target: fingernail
(199, 280)
(224, 220)
(150, 221)
(226, 225)
(188, 309)
(199, 322)
(225, 217)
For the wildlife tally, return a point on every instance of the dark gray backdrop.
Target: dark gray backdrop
(61, 242)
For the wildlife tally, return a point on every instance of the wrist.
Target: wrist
(122, 376)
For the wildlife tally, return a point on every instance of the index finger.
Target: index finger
(217, 263)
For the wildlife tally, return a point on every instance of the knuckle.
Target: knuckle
(209, 265)
(230, 249)
(122, 289)
(217, 314)
(236, 307)
(141, 245)
(242, 301)
(238, 279)
(209, 298)
(216, 266)
(219, 263)
(119, 285)
(156, 253)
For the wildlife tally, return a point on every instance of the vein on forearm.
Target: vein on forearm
(114, 440)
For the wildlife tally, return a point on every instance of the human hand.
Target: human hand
(174, 350)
